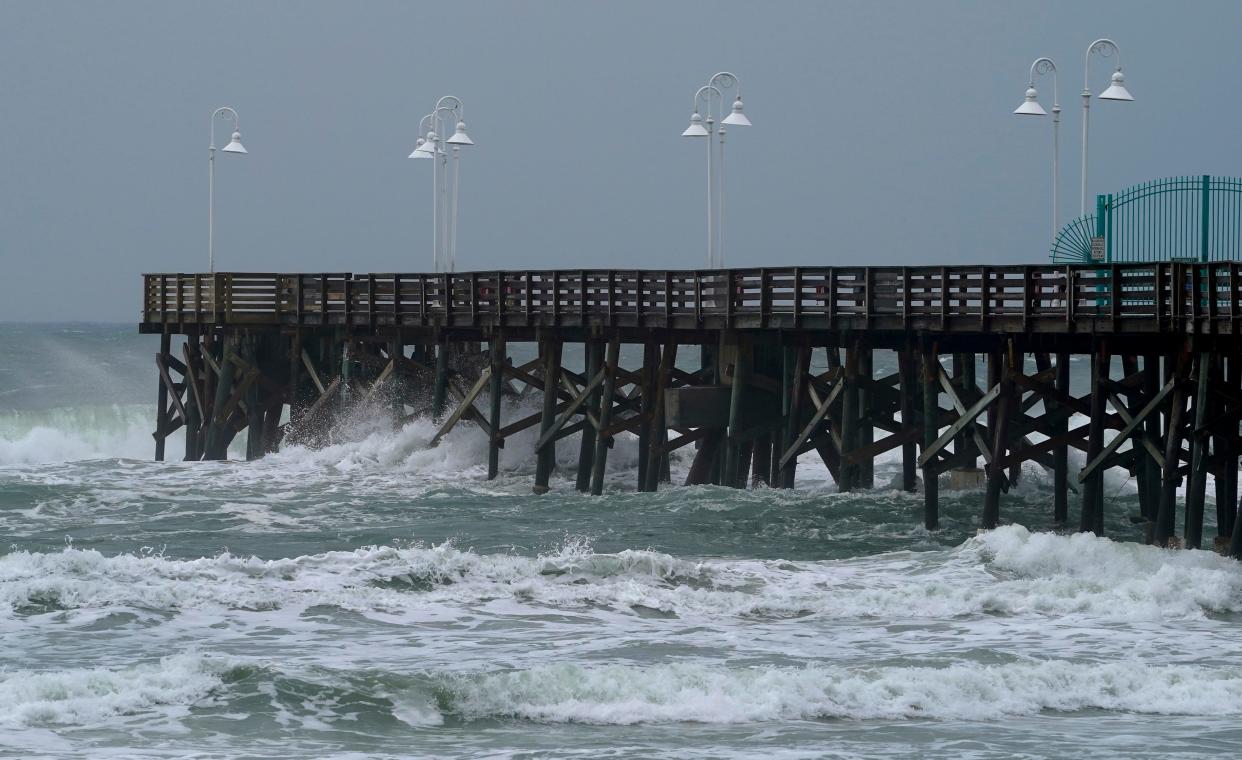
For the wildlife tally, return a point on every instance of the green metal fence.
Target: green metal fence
(1171, 219)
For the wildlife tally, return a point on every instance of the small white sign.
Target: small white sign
(1097, 249)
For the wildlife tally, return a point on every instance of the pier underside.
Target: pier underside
(972, 392)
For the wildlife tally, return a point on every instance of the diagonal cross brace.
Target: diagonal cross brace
(820, 412)
(1132, 423)
(964, 419)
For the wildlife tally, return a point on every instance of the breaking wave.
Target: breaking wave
(179, 686)
(1008, 571)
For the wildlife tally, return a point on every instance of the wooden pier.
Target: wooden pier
(434, 344)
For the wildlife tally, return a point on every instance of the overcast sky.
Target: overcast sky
(882, 132)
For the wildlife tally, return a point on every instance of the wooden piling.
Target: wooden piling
(849, 419)
(908, 368)
(1166, 514)
(161, 399)
(931, 427)
(592, 363)
(1227, 481)
(195, 404)
(599, 461)
(439, 394)
(734, 473)
(795, 416)
(550, 349)
(1195, 494)
(496, 360)
(219, 434)
(867, 405)
(1092, 494)
(1000, 439)
(647, 393)
(254, 412)
(657, 454)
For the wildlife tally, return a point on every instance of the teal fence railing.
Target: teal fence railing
(1187, 219)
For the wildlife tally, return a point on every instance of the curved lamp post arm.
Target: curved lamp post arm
(704, 93)
(1043, 66)
(217, 112)
(1106, 49)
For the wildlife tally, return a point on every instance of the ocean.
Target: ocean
(379, 598)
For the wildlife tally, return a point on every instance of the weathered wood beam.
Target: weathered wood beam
(467, 402)
(1132, 423)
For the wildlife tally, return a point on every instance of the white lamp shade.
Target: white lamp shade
(1031, 106)
(1117, 90)
(737, 118)
(459, 136)
(235, 145)
(696, 128)
(420, 150)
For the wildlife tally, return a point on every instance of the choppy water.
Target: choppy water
(380, 599)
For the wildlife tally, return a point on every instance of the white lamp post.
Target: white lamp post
(1115, 91)
(444, 214)
(1031, 107)
(715, 178)
(234, 146)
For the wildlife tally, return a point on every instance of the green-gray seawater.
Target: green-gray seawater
(378, 598)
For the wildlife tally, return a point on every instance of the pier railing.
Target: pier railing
(1134, 297)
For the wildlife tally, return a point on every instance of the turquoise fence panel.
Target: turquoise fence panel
(1189, 218)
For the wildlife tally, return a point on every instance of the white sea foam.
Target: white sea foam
(617, 694)
(78, 433)
(90, 695)
(1008, 571)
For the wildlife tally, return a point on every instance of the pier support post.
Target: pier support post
(161, 400)
(254, 411)
(657, 455)
(1000, 439)
(849, 420)
(734, 474)
(195, 403)
(599, 461)
(967, 389)
(647, 393)
(439, 393)
(496, 359)
(1092, 517)
(550, 349)
(1151, 386)
(1060, 452)
(931, 408)
(907, 366)
(1227, 481)
(1195, 494)
(1166, 516)
(592, 362)
(795, 418)
(867, 401)
(218, 433)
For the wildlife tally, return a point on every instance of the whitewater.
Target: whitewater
(380, 598)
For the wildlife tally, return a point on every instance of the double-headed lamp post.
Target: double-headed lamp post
(234, 146)
(711, 94)
(1116, 91)
(448, 110)
(1031, 107)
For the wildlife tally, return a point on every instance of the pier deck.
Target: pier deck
(257, 343)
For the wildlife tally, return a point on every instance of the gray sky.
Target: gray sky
(883, 132)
